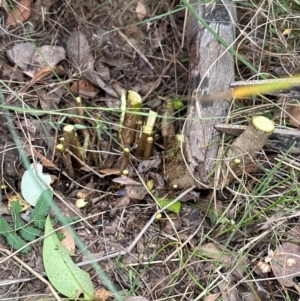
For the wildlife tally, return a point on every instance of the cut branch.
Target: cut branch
(72, 142)
(243, 150)
(128, 132)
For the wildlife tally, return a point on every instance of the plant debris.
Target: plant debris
(116, 105)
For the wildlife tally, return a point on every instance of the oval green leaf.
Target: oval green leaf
(63, 273)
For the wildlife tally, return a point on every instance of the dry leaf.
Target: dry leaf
(295, 116)
(109, 171)
(137, 298)
(286, 32)
(252, 295)
(29, 126)
(102, 70)
(84, 89)
(214, 252)
(102, 294)
(286, 263)
(11, 73)
(49, 100)
(171, 224)
(42, 74)
(39, 75)
(212, 297)
(96, 80)
(294, 233)
(159, 181)
(20, 13)
(18, 198)
(4, 210)
(68, 241)
(47, 56)
(125, 181)
(145, 165)
(211, 250)
(137, 192)
(141, 10)
(157, 36)
(79, 53)
(120, 203)
(21, 54)
(44, 161)
(228, 291)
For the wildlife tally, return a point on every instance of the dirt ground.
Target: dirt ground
(129, 45)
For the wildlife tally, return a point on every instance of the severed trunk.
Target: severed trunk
(211, 71)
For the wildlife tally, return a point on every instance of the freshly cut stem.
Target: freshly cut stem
(252, 139)
(151, 119)
(72, 142)
(147, 133)
(79, 106)
(134, 102)
(125, 159)
(66, 158)
(91, 158)
(85, 147)
(94, 140)
(148, 148)
(129, 129)
(243, 150)
(142, 142)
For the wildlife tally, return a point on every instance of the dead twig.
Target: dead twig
(134, 242)
(33, 272)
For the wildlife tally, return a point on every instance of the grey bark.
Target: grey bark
(211, 71)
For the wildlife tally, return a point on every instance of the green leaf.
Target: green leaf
(174, 207)
(38, 214)
(11, 237)
(62, 272)
(15, 211)
(30, 233)
(80, 126)
(5, 228)
(16, 207)
(17, 242)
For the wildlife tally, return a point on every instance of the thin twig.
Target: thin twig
(33, 272)
(134, 47)
(85, 165)
(155, 85)
(134, 242)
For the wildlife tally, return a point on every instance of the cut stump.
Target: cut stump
(211, 71)
(242, 152)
